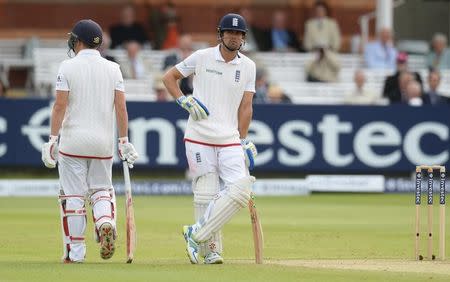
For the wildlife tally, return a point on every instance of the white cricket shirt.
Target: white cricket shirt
(87, 128)
(220, 87)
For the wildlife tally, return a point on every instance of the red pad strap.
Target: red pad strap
(101, 198)
(103, 216)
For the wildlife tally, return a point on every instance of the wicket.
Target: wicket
(418, 196)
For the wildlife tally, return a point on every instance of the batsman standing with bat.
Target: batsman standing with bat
(89, 89)
(220, 111)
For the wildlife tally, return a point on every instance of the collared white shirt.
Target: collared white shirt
(220, 86)
(87, 129)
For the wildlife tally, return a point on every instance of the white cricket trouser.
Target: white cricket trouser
(229, 164)
(78, 178)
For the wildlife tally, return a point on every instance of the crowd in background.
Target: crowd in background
(321, 36)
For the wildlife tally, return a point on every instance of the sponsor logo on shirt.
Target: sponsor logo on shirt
(214, 71)
(237, 76)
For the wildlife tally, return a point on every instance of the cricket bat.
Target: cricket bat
(258, 238)
(130, 224)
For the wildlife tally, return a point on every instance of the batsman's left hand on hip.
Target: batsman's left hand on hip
(196, 109)
(50, 152)
(250, 153)
(127, 152)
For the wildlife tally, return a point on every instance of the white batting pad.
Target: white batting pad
(73, 224)
(221, 210)
(205, 188)
(103, 208)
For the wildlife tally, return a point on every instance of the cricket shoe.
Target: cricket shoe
(191, 245)
(213, 258)
(107, 239)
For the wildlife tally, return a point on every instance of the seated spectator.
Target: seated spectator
(391, 84)
(104, 47)
(256, 39)
(439, 57)
(183, 51)
(4, 82)
(361, 95)
(134, 67)
(3, 86)
(432, 96)
(281, 38)
(127, 30)
(413, 94)
(321, 30)
(399, 95)
(160, 90)
(381, 54)
(275, 95)
(261, 86)
(324, 68)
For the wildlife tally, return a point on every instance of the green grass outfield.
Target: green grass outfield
(323, 237)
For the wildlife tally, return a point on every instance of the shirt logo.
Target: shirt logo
(237, 76)
(58, 79)
(235, 22)
(198, 158)
(214, 71)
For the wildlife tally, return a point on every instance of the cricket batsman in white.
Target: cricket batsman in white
(220, 111)
(89, 89)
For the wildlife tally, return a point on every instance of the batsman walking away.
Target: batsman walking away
(89, 89)
(220, 112)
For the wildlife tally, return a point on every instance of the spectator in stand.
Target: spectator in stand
(275, 95)
(183, 51)
(256, 39)
(391, 84)
(324, 68)
(163, 20)
(381, 54)
(128, 29)
(321, 30)
(281, 38)
(134, 67)
(104, 48)
(160, 90)
(171, 26)
(413, 94)
(399, 95)
(361, 95)
(433, 96)
(3, 86)
(261, 86)
(439, 57)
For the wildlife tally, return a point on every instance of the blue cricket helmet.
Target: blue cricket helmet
(232, 22)
(87, 31)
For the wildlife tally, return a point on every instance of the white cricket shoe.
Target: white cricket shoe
(191, 245)
(107, 240)
(213, 258)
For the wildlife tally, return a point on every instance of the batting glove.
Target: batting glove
(127, 152)
(250, 153)
(196, 109)
(50, 152)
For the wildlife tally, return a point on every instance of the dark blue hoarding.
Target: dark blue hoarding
(329, 139)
